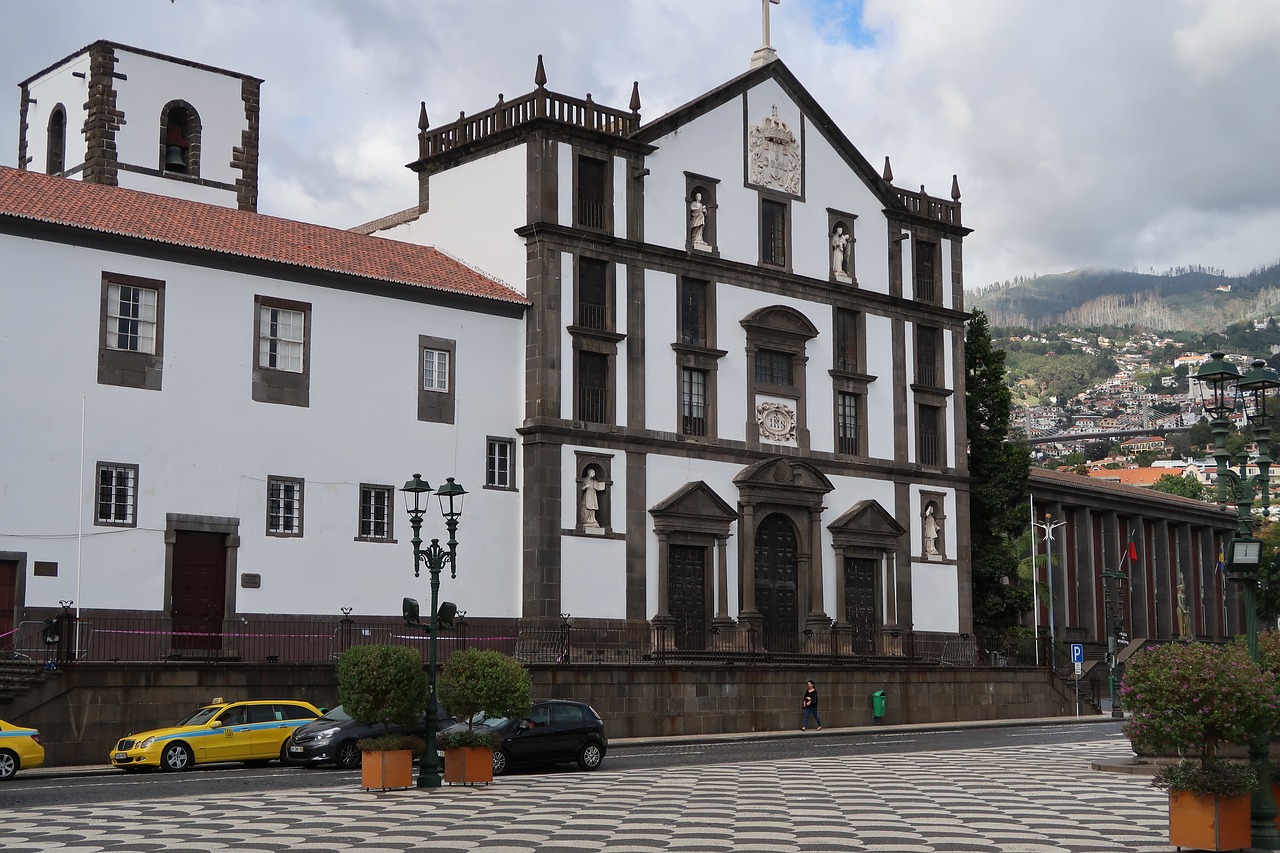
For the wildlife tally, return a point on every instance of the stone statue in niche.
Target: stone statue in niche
(698, 223)
(840, 253)
(591, 486)
(1184, 613)
(931, 533)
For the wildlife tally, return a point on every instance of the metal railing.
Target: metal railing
(267, 640)
(926, 205)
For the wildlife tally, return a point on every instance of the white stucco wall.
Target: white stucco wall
(203, 447)
(935, 599)
(474, 211)
(593, 573)
(879, 331)
(58, 86)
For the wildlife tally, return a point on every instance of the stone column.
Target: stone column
(722, 579)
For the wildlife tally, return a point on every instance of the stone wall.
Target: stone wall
(87, 707)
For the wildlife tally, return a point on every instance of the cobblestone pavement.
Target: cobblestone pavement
(1018, 799)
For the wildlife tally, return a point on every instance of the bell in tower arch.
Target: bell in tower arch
(176, 149)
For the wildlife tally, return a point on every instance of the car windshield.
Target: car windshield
(200, 716)
(336, 715)
(487, 722)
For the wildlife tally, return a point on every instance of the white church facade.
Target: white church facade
(703, 373)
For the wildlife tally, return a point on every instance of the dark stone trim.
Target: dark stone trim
(230, 527)
(102, 118)
(391, 515)
(193, 131)
(636, 381)
(542, 555)
(899, 345)
(436, 406)
(271, 385)
(244, 157)
(603, 463)
(103, 44)
(702, 265)
(133, 509)
(174, 176)
(905, 611)
(302, 507)
(604, 156)
(788, 227)
(511, 463)
(694, 183)
(20, 588)
(931, 395)
(126, 368)
(849, 222)
(24, 125)
(533, 131)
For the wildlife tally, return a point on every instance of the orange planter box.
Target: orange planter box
(386, 770)
(1209, 823)
(468, 765)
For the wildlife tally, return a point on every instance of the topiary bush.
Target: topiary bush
(382, 684)
(476, 680)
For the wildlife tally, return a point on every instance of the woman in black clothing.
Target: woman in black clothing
(810, 706)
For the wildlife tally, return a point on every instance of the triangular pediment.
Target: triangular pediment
(783, 473)
(694, 507)
(866, 519)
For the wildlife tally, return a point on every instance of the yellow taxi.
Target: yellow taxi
(249, 731)
(20, 749)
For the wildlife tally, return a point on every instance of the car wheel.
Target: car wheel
(176, 756)
(590, 756)
(347, 756)
(501, 762)
(8, 764)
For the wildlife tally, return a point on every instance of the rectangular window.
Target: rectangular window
(693, 401)
(846, 423)
(593, 302)
(927, 352)
(375, 512)
(773, 232)
(925, 255)
(592, 189)
(435, 370)
(929, 431)
(498, 470)
(281, 335)
(284, 507)
(131, 318)
(774, 368)
(693, 312)
(846, 340)
(593, 387)
(117, 498)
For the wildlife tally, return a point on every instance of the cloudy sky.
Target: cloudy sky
(1094, 133)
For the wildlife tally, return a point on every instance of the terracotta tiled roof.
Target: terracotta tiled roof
(177, 222)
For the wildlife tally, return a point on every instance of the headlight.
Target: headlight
(146, 743)
(326, 735)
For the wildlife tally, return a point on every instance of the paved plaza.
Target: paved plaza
(1027, 799)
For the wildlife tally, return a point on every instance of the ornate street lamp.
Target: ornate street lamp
(435, 557)
(1048, 526)
(1226, 386)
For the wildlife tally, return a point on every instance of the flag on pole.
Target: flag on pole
(1222, 561)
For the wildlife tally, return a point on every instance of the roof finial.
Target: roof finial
(955, 188)
(423, 124)
(540, 76)
(888, 171)
(635, 97)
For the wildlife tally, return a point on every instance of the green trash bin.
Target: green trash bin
(878, 702)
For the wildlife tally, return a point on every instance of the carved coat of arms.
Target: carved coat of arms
(777, 422)
(774, 155)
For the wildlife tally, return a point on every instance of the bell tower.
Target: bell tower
(122, 116)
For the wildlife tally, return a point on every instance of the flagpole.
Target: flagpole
(1035, 571)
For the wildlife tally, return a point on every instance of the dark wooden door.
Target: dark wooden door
(687, 594)
(775, 550)
(8, 595)
(860, 602)
(199, 589)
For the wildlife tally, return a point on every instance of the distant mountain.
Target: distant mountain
(1186, 298)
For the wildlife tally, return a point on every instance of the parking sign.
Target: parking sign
(1077, 653)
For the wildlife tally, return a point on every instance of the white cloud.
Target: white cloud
(1091, 134)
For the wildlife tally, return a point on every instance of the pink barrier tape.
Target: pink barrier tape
(454, 639)
(204, 634)
(7, 633)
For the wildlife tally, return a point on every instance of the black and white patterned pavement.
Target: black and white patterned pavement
(1022, 799)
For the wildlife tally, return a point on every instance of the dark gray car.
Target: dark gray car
(554, 731)
(331, 739)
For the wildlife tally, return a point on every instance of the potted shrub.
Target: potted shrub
(1195, 697)
(475, 682)
(387, 685)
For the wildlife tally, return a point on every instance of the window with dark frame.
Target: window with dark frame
(498, 469)
(593, 303)
(593, 387)
(846, 340)
(375, 512)
(846, 423)
(773, 232)
(926, 286)
(284, 507)
(55, 151)
(592, 185)
(117, 495)
(927, 352)
(693, 312)
(693, 401)
(774, 368)
(929, 432)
